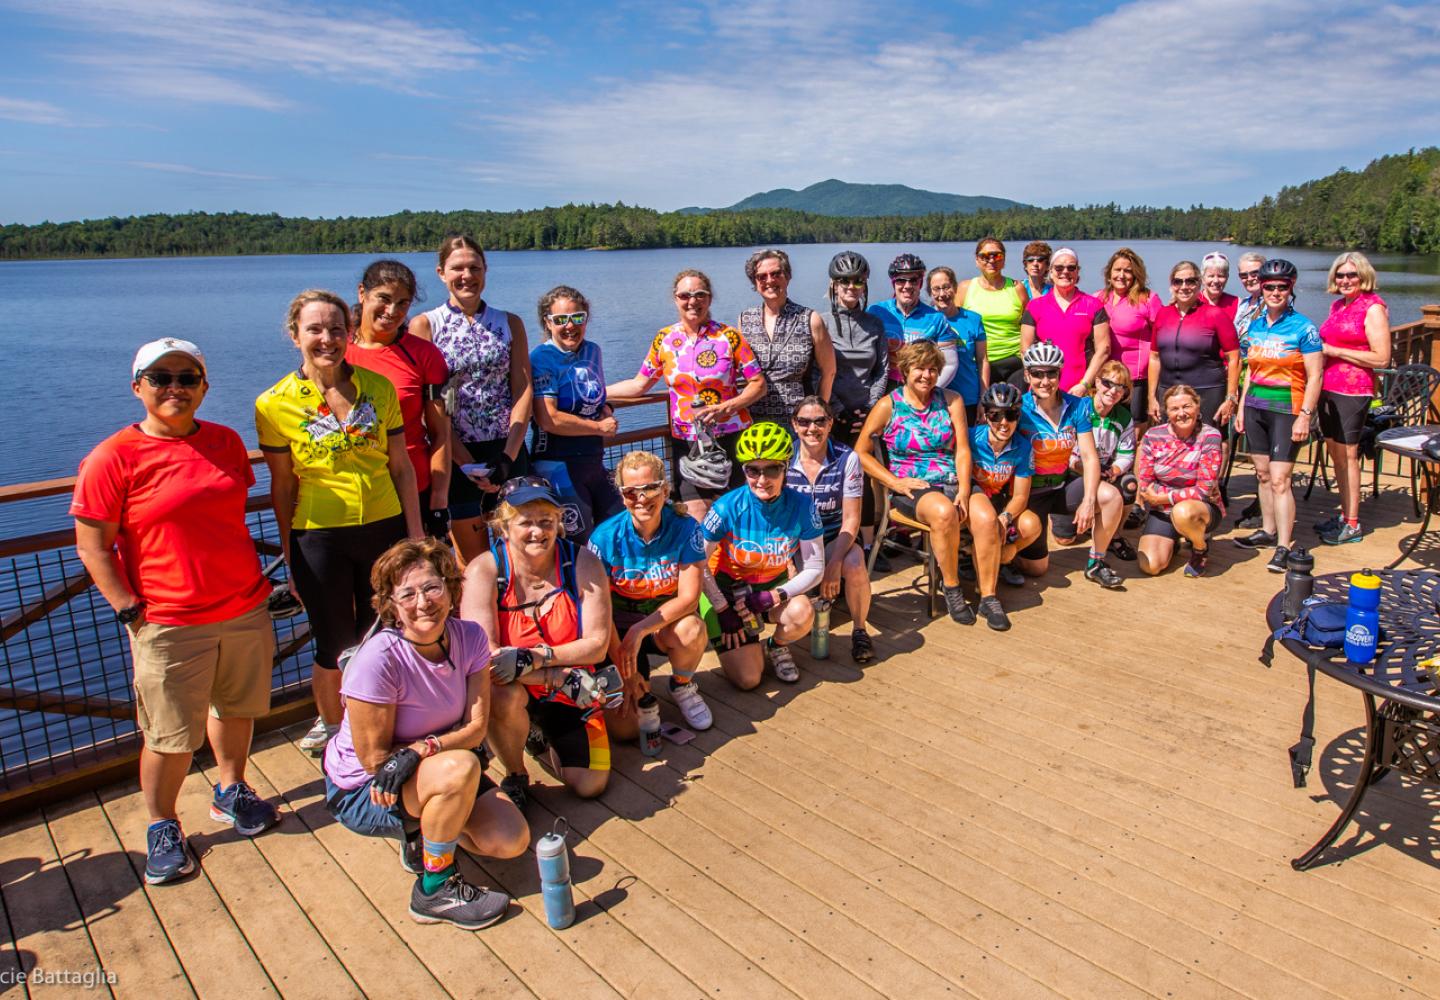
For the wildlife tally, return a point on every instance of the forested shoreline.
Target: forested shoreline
(1391, 205)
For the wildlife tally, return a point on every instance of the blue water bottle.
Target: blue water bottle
(554, 860)
(1362, 617)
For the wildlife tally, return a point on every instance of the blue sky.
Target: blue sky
(117, 107)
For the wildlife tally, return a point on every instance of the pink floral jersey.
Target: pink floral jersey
(1345, 327)
(702, 370)
(1182, 468)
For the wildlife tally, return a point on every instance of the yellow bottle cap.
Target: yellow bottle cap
(1365, 581)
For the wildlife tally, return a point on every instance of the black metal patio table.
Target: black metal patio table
(1401, 696)
(1398, 441)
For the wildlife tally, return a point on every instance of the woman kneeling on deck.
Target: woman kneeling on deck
(1179, 473)
(406, 762)
(545, 603)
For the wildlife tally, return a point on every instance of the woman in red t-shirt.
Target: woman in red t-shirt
(159, 513)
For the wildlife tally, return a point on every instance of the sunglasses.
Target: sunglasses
(1043, 373)
(804, 422)
(1250, 275)
(1001, 416)
(410, 595)
(1184, 282)
(1347, 275)
(851, 283)
(568, 319)
(687, 296)
(520, 482)
(769, 470)
(1036, 260)
(992, 255)
(1106, 383)
(1065, 268)
(768, 276)
(642, 492)
(164, 380)
(1275, 286)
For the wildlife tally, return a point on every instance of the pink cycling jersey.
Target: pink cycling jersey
(1067, 327)
(1345, 327)
(1132, 330)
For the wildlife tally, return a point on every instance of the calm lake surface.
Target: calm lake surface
(75, 325)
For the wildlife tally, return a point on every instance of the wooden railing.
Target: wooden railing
(66, 704)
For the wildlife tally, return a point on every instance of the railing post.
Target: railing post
(1430, 318)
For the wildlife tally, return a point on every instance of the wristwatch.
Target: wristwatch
(780, 596)
(1309, 413)
(130, 615)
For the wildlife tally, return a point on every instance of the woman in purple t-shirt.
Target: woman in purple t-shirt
(1356, 338)
(406, 762)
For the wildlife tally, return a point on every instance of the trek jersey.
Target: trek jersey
(759, 539)
(839, 479)
(992, 473)
(1277, 361)
(924, 323)
(969, 331)
(641, 570)
(1053, 442)
(575, 380)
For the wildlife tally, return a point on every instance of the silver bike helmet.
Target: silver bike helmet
(707, 465)
(1044, 355)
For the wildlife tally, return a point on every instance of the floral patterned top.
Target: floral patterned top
(342, 465)
(702, 370)
(921, 443)
(787, 359)
(477, 352)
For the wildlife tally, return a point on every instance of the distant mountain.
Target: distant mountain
(840, 198)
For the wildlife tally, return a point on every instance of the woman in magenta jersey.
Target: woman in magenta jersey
(1195, 345)
(1131, 307)
(417, 369)
(1356, 339)
(1073, 321)
(1214, 276)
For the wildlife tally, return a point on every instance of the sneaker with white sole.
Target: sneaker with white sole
(783, 661)
(458, 902)
(241, 807)
(167, 856)
(314, 741)
(691, 704)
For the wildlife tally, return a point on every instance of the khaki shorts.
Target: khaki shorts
(183, 671)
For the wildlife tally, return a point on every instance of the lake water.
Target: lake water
(74, 325)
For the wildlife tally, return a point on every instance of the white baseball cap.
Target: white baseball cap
(157, 349)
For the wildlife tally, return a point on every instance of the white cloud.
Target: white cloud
(33, 112)
(1153, 93)
(182, 168)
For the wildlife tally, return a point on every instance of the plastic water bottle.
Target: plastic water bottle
(554, 861)
(1362, 617)
(1299, 581)
(649, 725)
(820, 631)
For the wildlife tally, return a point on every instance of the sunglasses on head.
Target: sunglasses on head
(768, 470)
(642, 492)
(568, 319)
(1000, 416)
(163, 380)
(519, 482)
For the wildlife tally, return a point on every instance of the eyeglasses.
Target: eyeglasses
(992, 255)
(945, 289)
(1347, 275)
(1184, 282)
(687, 296)
(1001, 416)
(1275, 286)
(1035, 260)
(1252, 275)
(769, 276)
(1043, 374)
(642, 492)
(1065, 268)
(432, 591)
(851, 283)
(1108, 385)
(804, 422)
(163, 380)
(912, 279)
(769, 470)
(568, 319)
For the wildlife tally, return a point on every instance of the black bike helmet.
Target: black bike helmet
(1278, 269)
(848, 264)
(1000, 396)
(906, 263)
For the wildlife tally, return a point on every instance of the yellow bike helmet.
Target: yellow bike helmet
(764, 441)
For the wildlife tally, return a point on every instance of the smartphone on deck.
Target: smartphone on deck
(676, 734)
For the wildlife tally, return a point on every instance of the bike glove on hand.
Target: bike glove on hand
(509, 663)
(730, 620)
(437, 523)
(398, 768)
(760, 601)
(581, 687)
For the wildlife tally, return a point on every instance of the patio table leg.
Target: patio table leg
(1363, 781)
(1430, 490)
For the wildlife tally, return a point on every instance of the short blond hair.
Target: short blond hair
(506, 512)
(292, 315)
(919, 354)
(1363, 267)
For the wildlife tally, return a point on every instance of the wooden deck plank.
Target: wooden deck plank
(48, 927)
(215, 955)
(124, 929)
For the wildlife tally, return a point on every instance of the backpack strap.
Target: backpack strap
(1302, 753)
(502, 569)
(567, 553)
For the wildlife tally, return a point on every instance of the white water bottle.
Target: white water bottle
(649, 707)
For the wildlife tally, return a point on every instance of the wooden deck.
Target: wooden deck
(1095, 804)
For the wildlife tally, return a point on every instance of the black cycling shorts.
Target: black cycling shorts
(1060, 501)
(691, 491)
(577, 741)
(331, 569)
(468, 500)
(1267, 432)
(1157, 522)
(1342, 417)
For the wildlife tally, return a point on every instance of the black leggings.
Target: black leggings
(331, 569)
(1010, 369)
(841, 432)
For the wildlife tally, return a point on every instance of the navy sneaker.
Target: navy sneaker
(167, 856)
(239, 805)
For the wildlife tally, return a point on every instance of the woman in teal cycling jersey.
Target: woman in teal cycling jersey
(1002, 467)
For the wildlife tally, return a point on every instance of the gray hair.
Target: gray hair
(1250, 257)
(753, 264)
(1217, 260)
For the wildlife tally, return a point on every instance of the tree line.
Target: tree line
(1392, 205)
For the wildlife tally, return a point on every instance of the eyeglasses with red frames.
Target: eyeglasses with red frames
(991, 255)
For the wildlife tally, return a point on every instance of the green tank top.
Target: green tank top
(1000, 313)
